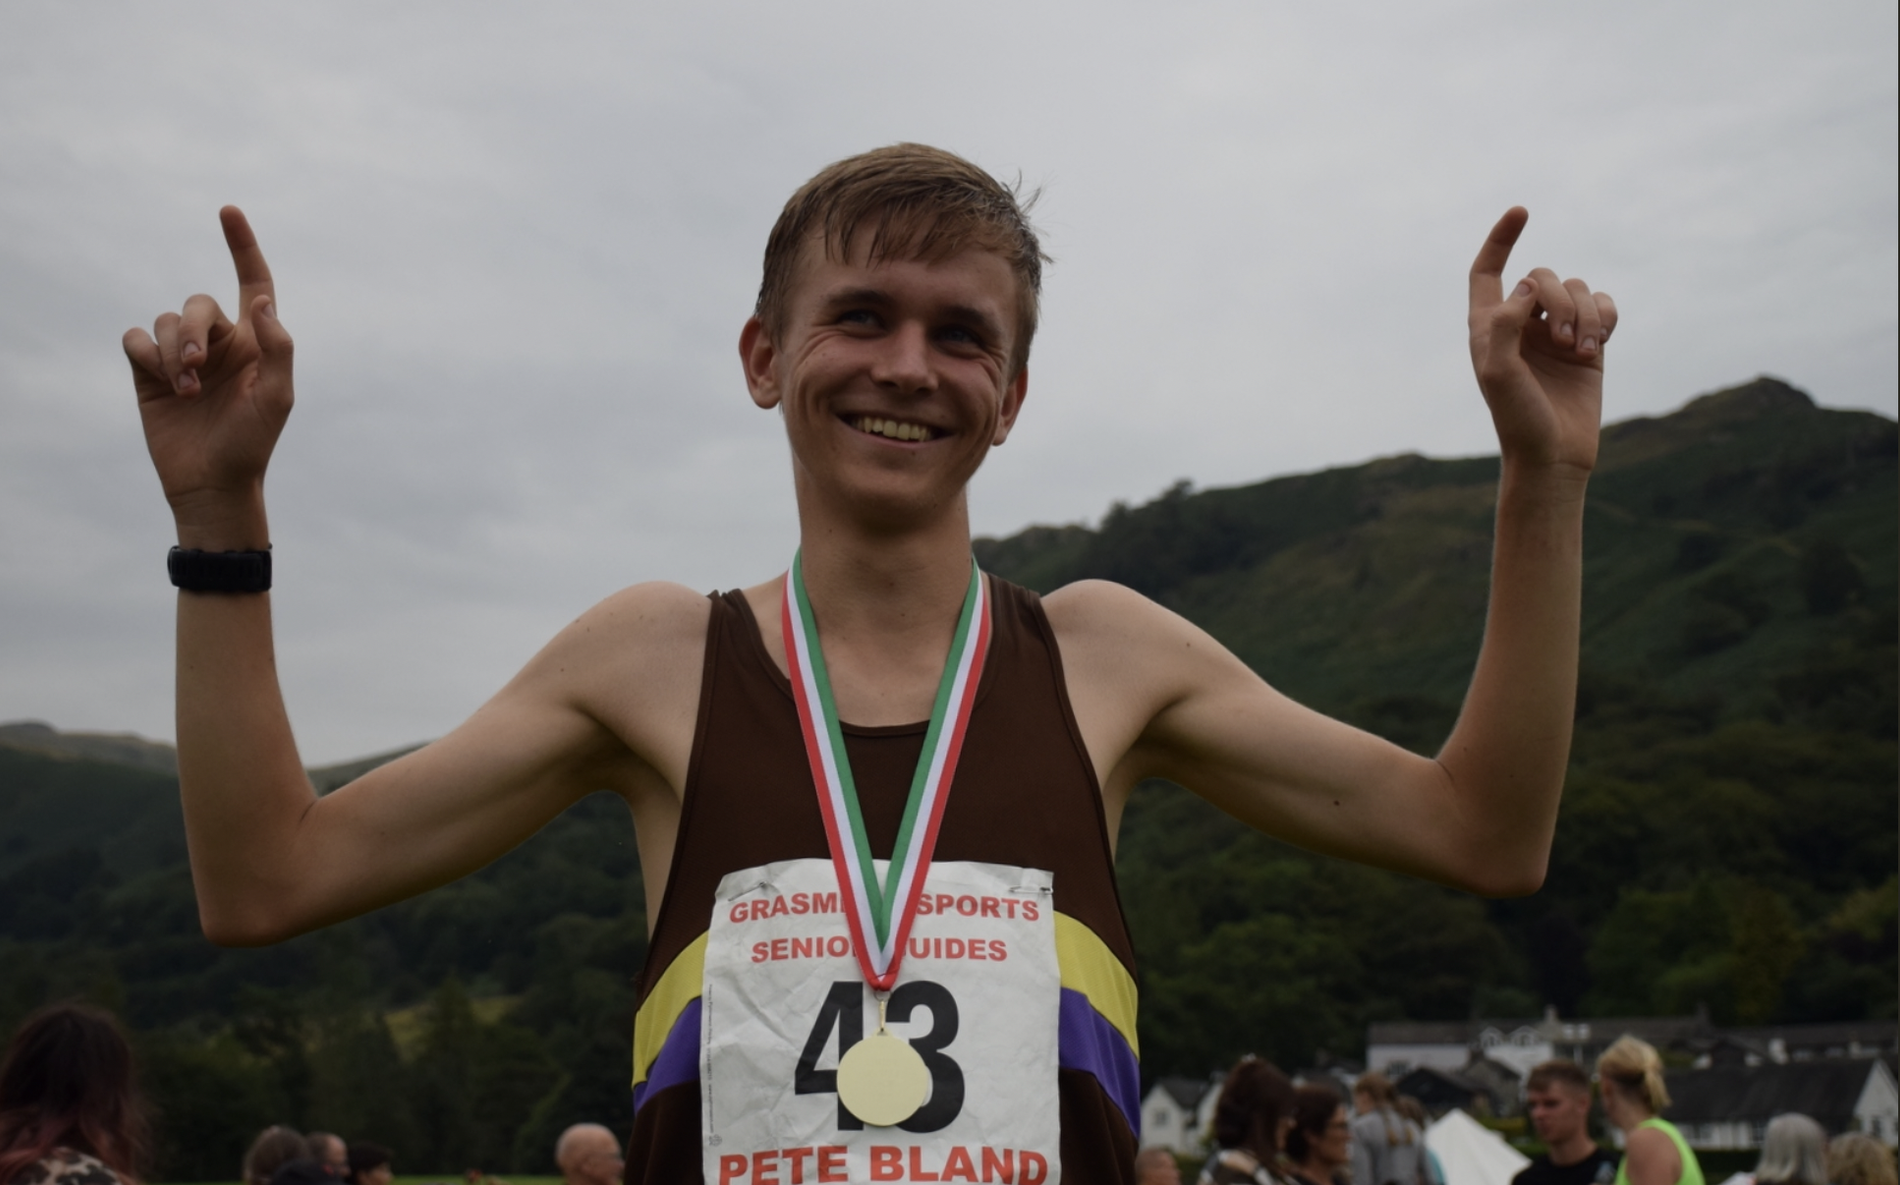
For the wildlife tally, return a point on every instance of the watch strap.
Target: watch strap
(219, 571)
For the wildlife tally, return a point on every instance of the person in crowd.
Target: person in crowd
(1387, 1148)
(1557, 1096)
(370, 1164)
(70, 1108)
(1414, 1111)
(589, 1154)
(1156, 1166)
(1319, 1142)
(1856, 1158)
(1793, 1152)
(273, 1148)
(1251, 1119)
(1629, 1073)
(330, 1153)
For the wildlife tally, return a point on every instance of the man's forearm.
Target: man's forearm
(1508, 753)
(243, 786)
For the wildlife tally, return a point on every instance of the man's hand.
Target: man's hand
(1538, 353)
(214, 396)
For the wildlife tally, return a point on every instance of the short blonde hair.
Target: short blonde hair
(1637, 1070)
(917, 202)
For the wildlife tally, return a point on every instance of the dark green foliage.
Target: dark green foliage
(233, 1040)
(1731, 799)
(1729, 832)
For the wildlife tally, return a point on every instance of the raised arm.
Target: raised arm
(1161, 698)
(269, 858)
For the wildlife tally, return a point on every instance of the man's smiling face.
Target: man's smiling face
(895, 378)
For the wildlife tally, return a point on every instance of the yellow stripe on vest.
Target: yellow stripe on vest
(1089, 967)
(678, 987)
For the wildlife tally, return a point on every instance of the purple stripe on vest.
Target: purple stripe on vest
(679, 1056)
(1086, 1041)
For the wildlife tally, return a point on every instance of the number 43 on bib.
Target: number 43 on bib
(976, 1001)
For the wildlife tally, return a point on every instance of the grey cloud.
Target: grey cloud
(516, 247)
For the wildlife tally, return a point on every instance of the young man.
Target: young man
(882, 949)
(1559, 1103)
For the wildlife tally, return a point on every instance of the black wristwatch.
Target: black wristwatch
(219, 571)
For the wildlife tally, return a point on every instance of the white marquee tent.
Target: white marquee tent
(1471, 1154)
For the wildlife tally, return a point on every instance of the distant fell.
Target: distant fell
(134, 751)
(1738, 536)
(116, 748)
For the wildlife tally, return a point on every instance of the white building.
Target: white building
(1177, 1114)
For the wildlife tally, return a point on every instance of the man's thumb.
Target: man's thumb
(270, 335)
(272, 338)
(1505, 321)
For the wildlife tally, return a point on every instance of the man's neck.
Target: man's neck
(1575, 1150)
(892, 586)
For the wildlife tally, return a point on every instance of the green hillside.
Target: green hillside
(1728, 836)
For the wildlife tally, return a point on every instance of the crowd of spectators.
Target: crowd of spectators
(1267, 1131)
(71, 1114)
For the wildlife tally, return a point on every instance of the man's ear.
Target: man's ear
(759, 355)
(1013, 397)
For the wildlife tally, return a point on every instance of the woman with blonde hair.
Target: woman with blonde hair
(1856, 1158)
(1630, 1077)
(1387, 1148)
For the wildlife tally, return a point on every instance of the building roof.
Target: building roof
(1186, 1092)
(1657, 1030)
(1825, 1091)
(1868, 1034)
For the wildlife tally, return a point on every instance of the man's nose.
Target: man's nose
(904, 364)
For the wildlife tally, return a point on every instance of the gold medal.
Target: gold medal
(881, 1079)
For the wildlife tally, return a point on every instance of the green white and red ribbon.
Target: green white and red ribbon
(880, 915)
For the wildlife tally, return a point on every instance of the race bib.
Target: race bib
(977, 996)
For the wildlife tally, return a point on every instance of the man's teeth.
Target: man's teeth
(892, 429)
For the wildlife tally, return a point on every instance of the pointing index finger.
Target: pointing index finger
(252, 272)
(1487, 270)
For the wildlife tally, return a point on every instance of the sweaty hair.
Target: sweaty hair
(67, 1081)
(1313, 1110)
(917, 202)
(1856, 1158)
(270, 1150)
(1793, 1152)
(1252, 1100)
(1635, 1067)
(1558, 1071)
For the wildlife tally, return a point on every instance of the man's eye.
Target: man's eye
(858, 317)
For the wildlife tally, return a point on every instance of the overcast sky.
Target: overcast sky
(516, 243)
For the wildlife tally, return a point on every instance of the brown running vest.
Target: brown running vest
(1025, 794)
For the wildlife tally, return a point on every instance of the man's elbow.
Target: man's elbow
(232, 927)
(1495, 877)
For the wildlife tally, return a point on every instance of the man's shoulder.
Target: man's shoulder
(656, 621)
(1091, 612)
(655, 608)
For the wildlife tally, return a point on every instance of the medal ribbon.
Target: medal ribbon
(880, 915)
